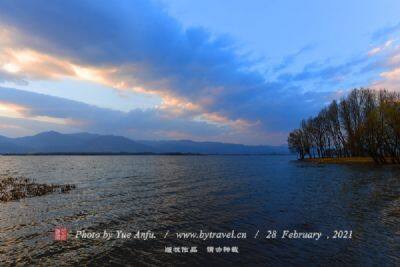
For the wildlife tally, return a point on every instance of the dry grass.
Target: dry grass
(341, 160)
(12, 188)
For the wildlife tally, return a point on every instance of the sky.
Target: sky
(230, 71)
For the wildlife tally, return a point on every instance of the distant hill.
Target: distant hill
(110, 143)
(188, 146)
(7, 144)
(54, 142)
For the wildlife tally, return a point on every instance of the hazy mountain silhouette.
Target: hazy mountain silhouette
(6, 144)
(188, 146)
(54, 142)
(110, 143)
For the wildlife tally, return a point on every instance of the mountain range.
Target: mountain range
(86, 143)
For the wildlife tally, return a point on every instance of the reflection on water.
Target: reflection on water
(212, 193)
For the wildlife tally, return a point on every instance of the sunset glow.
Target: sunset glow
(10, 67)
(188, 76)
(12, 110)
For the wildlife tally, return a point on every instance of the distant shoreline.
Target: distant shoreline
(137, 154)
(55, 143)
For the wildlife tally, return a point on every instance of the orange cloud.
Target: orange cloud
(12, 110)
(390, 78)
(31, 64)
(238, 124)
(4, 126)
(393, 74)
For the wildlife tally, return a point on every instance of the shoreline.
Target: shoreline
(141, 154)
(347, 160)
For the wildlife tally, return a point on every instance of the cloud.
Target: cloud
(208, 91)
(290, 59)
(386, 65)
(58, 113)
(135, 45)
(381, 48)
(387, 58)
(384, 32)
(325, 72)
(6, 76)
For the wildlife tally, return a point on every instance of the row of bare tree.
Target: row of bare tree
(365, 123)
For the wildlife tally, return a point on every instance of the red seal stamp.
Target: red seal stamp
(60, 234)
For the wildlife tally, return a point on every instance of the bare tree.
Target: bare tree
(365, 123)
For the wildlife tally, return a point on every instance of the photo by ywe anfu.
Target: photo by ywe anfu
(199, 133)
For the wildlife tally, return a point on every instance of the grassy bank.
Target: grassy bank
(352, 160)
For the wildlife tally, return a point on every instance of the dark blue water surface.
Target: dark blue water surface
(209, 193)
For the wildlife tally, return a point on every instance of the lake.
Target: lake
(173, 194)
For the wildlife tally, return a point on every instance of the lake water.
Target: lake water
(169, 194)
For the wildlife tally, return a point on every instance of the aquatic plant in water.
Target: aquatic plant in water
(15, 188)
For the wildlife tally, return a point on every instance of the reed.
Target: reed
(15, 188)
